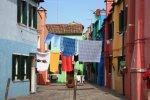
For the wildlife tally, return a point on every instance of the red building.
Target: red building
(108, 44)
(137, 46)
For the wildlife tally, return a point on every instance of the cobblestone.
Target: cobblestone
(57, 91)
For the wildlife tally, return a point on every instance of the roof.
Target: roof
(65, 29)
(42, 9)
(39, 0)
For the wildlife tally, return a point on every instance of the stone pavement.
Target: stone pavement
(86, 91)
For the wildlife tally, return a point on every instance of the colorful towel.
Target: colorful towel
(89, 51)
(68, 46)
(42, 61)
(54, 63)
(66, 63)
(48, 38)
(56, 40)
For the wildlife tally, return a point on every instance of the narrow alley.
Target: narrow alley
(59, 91)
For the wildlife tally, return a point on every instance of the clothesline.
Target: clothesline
(89, 51)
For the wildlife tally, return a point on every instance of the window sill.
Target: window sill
(31, 28)
(15, 81)
(21, 24)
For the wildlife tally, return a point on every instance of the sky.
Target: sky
(67, 11)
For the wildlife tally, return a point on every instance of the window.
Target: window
(125, 17)
(26, 14)
(21, 67)
(121, 21)
(110, 30)
(120, 59)
(22, 12)
(110, 64)
(32, 16)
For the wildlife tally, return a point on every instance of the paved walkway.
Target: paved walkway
(61, 92)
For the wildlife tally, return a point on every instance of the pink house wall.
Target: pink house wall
(137, 39)
(42, 77)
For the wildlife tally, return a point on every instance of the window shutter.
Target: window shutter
(122, 20)
(125, 17)
(30, 15)
(24, 12)
(112, 29)
(19, 68)
(28, 69)
(18, 11)
(13, 67)
(60, 71)
(22, 67)
(35, 17)
(119, 22)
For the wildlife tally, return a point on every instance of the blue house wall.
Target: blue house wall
(14, 38)
(100, 78)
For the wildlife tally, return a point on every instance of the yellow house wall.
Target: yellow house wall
(117, 47)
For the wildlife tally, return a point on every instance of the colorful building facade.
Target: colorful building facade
(18, 41)
(117, 48)
(136, 49)
(72, 30)
(108, 45)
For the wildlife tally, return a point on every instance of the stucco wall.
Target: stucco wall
(13, 39)
(7, 49)
(117, 49)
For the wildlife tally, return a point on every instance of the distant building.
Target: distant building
(71, 30)
(18, 42)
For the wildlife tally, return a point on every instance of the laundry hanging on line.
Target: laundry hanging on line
(67, 63)
(54, 61)
(42, 61)
(89, 51)
(68, 46)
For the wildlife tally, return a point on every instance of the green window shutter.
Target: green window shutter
(60, 71)
(24, 11)
(13, 67)
(19, 68)
(35, 17)
(110, 30)
(125, 17)
(113, 29)
(119, 22)
(122, 20)
(22, 67)
(30, 15)
(28, 69)
(18, 11)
